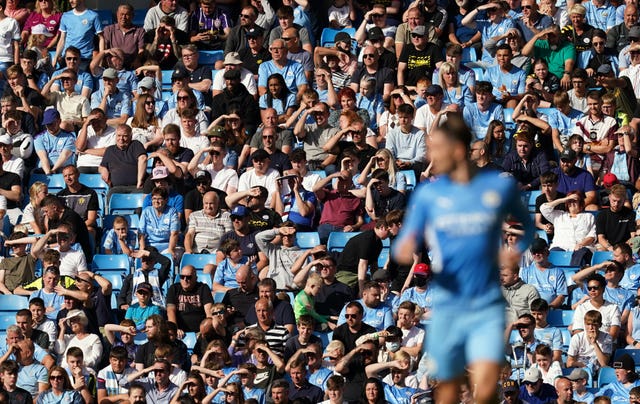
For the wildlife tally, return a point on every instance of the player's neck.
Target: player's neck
(463, 172)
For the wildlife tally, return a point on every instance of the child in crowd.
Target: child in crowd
(304, 302)
(225, 276)
(139, 312)
(127, 329)
(120, 239)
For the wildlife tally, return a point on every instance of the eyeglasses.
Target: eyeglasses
(246, 16)
(184, 277)
(367, 352)
(287, 39)
(598, 43)
(183, 98)
(351, 316)
(142, 292)
(276, 48)
(218, 313)
(66, 79)
(377, 15)
(187, 55)
(527, 7)
(70, 58)
(593, 287)
(529, 383)
(56, 377)
(369, 55)
(416, 36)
(523, 326)
(268, 137)
(149, 103)
(161, 370)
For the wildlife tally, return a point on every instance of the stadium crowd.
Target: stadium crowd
(270, 149)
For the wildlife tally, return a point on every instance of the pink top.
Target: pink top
(52, 23)
(19, 14)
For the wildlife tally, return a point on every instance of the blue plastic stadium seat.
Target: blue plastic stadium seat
(560, 258)
(198, 260)
(606, 375)
(410, 176)
(55, 182)
(125, 204)
(209, 58)
(218, 296)
(560, 318)
(95, 182)
(6, 320)
(139, 16)
(106, 17)
(189, 340)
(307, 240)
(382, 258)
(13, 303)
(166, 79)
(115, 279)
(205, 278)
(327, 38)
(118, 263)
(601, 256)
(337, 240)
(325, 337)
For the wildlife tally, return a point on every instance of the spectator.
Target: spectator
(74, 108)
(84, 85)
(109, 388)
(204, 235)
(79, 27)
(429, 115)
(235, 96)
(615, 224)
(508, 81)
(209, 26)
(166, 8)
(275, 335)
(139, 312)
(115, 103)
(592, 347)
(127, 156)
(89, 343)
(292, 71)
(233, 61)
(238, 38)
(479, 115)
(626, 381)
(559, 54)
(254, 54)
(517, 293)
(579, 378)
(547, 279)
(163, 42)
(53, 155)
(159, 224)
(408, 71)
(534, 390)
(48, 15)
(19, 268)
(572, 178)
(189, 301)
(125, 36)
(9, 371)
(352, 367)
(609, 312)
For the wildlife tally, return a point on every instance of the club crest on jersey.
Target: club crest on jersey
(491, 199)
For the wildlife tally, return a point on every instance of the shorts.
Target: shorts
(457, 338)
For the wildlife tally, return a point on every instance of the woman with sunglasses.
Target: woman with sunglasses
(186, 99)
(61, 390)
(46, 12)
(145, 124)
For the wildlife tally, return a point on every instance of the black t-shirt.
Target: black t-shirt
(331, 298)
(383, 76)
(363, 154)
(388, 59)
(355, 379)
(293, 344)
(419, 63)
(33, 97)
(264, 220)
(342, 334)
(123, 164)
(189, 305)
(385, 204)
(616, 226)
(241, 302)
(81, 202)
(364, 246)
(252, 62)
(8, 180)
(247, 243)
(19, 396)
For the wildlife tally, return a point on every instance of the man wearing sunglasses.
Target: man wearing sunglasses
(418, 59)
(84, 83)
(534, 390)
(595, 285)
(159, 388)
(352, 367)
(237, 38)
(188, 302)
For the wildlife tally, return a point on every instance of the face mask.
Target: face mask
(392, 346)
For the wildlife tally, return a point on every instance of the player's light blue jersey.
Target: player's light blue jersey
(462, 226)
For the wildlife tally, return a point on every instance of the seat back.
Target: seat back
(307, 240)
(337, 240)
(197, 260)
(125, 204)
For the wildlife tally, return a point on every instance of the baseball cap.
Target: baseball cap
(394, 332)
(342, 37)
(634, 32)
(509, 385)
(422, 269)
(146, 286)
(624, 361)
(254, 32)
(419, 30)
(231, 75)
(203, 176)
(5, 139)
(434, 89)
(609, 180)
(568, 154)
(538, 245)
(578, 9)
(260, 155)
(381, 275)
(216, 131)
(49, 116)
(239, 211)
(532, 375)
(577, 374)
(179, 73)
(110, 74)
(41, 29)
(605, 69)
(159, 173)
(375, 34)
(147, 83)
(232, 58)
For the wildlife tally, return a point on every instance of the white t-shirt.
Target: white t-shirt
(72, 262)
(249, 180)
(227, 177)
(246, 78)
(108, 138)
(9, 32)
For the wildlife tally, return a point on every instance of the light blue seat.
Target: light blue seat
(337, 240)
(6, 320)
(205, 278)
(55, 182)
(325, 337)
(307, 240)
(166, 79)
(115, 278)
(560, 258)
(197, 260)
(328, 35)
(125, 204)
(606, 375)
(382, 258)
(560, 318)
(218, 296)
(13, 303)
(111, 263)
(95, 182)
(410, 176)
(210, 57)
(601, 256)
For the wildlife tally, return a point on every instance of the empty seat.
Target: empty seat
(337, 240)
(307, 240)
(111, 263)
(125, 204)
(197, 260)
(560, 318)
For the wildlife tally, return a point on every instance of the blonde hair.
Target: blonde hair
(448, 67)
(314, 279)
(35, 188)
(393, 167)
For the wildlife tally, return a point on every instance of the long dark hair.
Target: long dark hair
(284, 91)
(380, 398)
